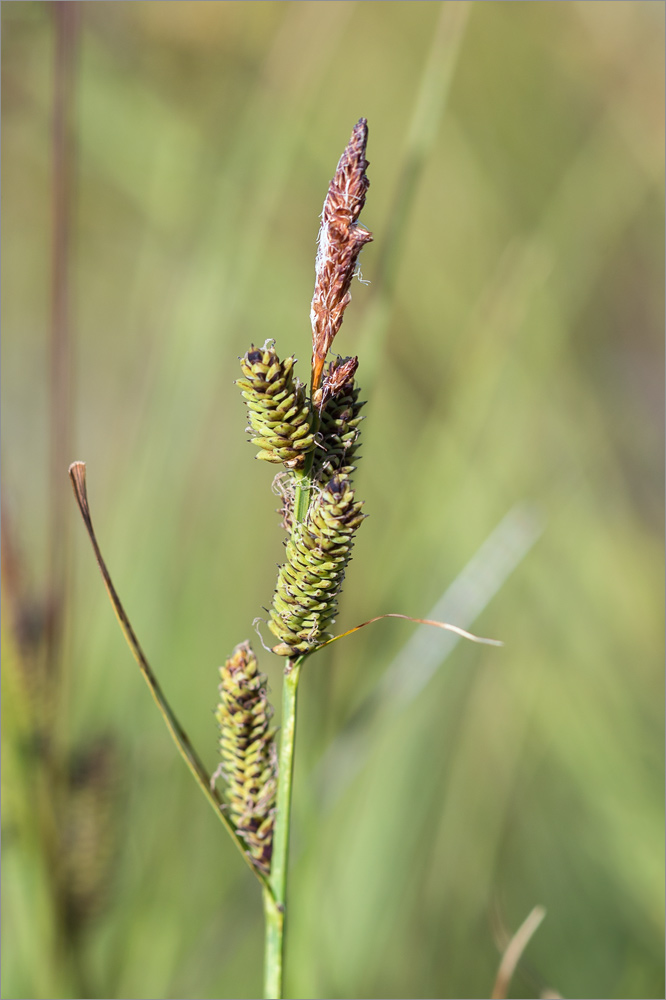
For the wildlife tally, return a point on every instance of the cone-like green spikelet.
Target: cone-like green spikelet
(339, 429)
(249, 759)
(305, 599)
(88, 837)
(280, 417)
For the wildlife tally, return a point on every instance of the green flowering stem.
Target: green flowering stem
(303, 484)
(275, 901)
(273, 947)
(303, 479)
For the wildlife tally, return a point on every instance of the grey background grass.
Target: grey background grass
(517, 357)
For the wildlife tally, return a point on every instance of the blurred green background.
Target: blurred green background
(510, 342)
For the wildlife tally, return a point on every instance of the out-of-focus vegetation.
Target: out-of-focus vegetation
(510, 344)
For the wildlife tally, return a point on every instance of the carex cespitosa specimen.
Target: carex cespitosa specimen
(315, 437)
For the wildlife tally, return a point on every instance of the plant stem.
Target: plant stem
(273, 948)
(303, 479)
(302, 495)
(275, 904)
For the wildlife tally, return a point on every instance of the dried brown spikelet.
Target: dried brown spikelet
(341, 240)
(339, 377)
(305, 599)
(249, 759)
(278, 410)
(339, 423)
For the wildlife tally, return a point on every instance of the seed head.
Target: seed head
(249, 759)
(278, 410)
(339, 377)
(339, 423)
(88, 831)
(305, 599)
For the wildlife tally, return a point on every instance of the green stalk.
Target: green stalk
(302, 492)
(275, 900)
(275, 897)
(303, 477)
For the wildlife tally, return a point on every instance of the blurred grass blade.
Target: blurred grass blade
(429, 105)
(423, 653)
(464, 600)
(77, 474)
(514, 951)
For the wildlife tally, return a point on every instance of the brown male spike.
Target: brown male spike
(340, 242)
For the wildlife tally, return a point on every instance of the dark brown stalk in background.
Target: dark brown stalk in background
(56, 764)
(60, 361)
(69, 810)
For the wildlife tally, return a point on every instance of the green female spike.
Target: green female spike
(279, 413)
(249, 759)
(305, 599)
(88, 835)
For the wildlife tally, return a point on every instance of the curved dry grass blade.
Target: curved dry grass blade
(77, 474)
(419, 621)
(514, 951)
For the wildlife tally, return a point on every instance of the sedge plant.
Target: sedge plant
(312, 433)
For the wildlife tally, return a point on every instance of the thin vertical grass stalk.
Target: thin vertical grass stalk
(55, 731)
(275, 902)
(66, 24)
